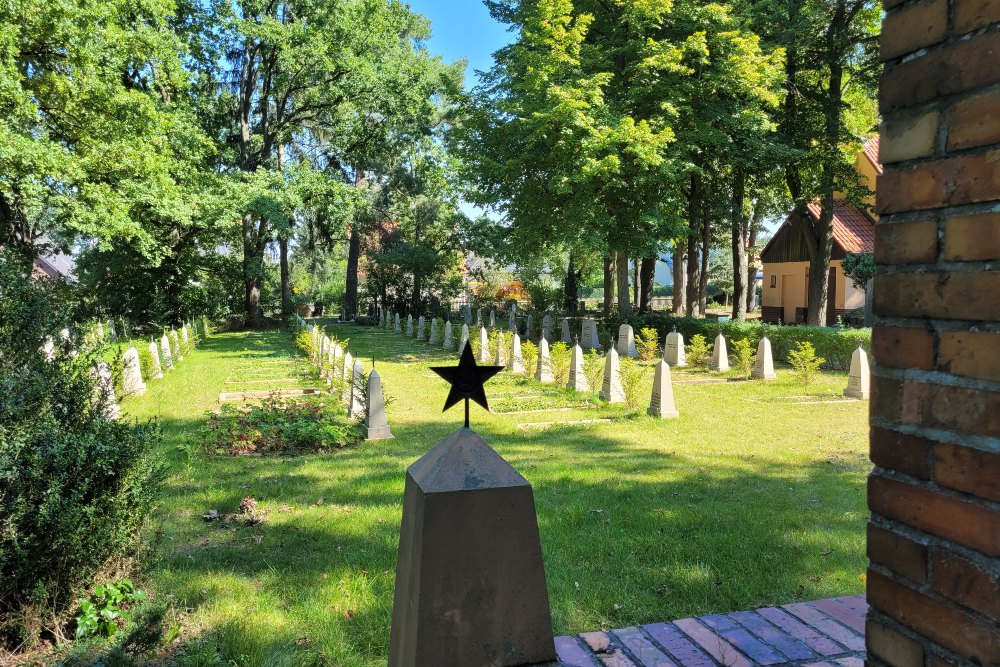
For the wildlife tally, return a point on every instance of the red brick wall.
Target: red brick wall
(934, 536)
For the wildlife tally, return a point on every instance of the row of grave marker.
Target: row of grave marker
(334, 362)
(168, 349)
(859, 377)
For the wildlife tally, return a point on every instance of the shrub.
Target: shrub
(104, 611)
(647, 343)
(593, 368)
(145, 360)
(631, 376)
(697, 351)
(805, 362)
(836, 345)
(75, 488)
(529, 353)
(304, 342)
(559, 361)
(744, 357)
(279, 426)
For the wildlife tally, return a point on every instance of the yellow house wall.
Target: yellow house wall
(847, 296)
(868, 177)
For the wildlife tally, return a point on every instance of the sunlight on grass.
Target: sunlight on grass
(745, 500)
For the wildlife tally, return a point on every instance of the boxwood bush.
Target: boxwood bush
(75, 489)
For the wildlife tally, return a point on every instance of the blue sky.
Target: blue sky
(463, 29)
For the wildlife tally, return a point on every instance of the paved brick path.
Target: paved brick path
(823, 633)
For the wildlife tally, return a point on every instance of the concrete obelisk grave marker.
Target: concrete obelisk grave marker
(168, 362)
(501, 349)
(470, 582)
(577, 378)
(432, 337)
(859, 380)
(376, 426)
(626, 341)
(420, 328)
(345, 391)
(484, 346)
(661, 403)
(516, 362)
(547, 327)
(132, 383)
(763, 368)
(463, 337)
(409, 325)
(448, 343)
(612, 391)
(673, 349)
(720, 357)
(493, 319)
(154, 353)
(529, 325)
(397, 328)
(564, 334)
(543, 369)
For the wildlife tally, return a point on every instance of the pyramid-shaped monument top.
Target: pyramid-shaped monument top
(467, 380)
(463, 462)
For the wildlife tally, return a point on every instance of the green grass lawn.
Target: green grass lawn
(754, 496)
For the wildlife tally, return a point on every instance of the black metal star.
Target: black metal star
(467, 381)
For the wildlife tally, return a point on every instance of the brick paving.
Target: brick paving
(822, 633)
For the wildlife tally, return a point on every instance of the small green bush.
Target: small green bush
(559, 362)
(593, 368)
(529, 353)
(647, 343)
(697, 351)
(744, 357)
(805, 362)
(631, 375)
(103, 612)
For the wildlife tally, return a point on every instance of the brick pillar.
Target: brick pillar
(934, 536)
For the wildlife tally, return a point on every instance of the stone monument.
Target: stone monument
(347, 377)
(448, 343)
(132, 383)
(529, 325)
(720, 357)
(397, 327)
(565, 335)
(577, 378)
(763, 367)
(611, 389)
(420, 328)
(501, 359)
(168, 362)
(433, 338)
(547, 327)
(409, 325)
(626, 341)
(516, 362)
(105, 386)
(859, 379)
(175, 344)
(484, 346)
(463, 336)
(493, 319)
(673, 349)
(154, 353)
(470, 581)
(661, 403)
(376, 425)
(543, 368)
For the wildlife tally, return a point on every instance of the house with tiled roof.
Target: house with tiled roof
(785, 291)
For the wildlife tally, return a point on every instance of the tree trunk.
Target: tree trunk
(609, 283)
(739, 233)
(635, 284)
(751, 286)
(693, 250)
(351, 290)
(706, 241)
(286, 287)
(646, 276)
(680, 278)
(624, 298)
(819, 267)
(570, 286)
(252, 271)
